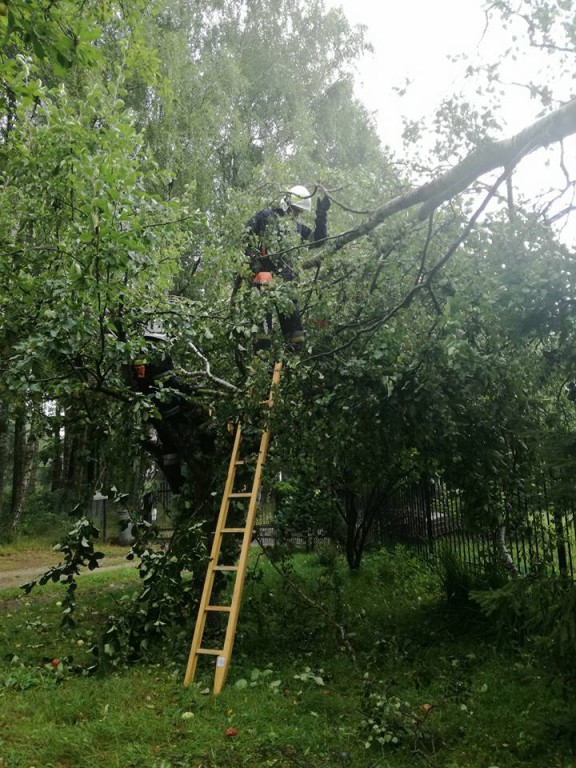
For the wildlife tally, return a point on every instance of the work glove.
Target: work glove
(323, 204)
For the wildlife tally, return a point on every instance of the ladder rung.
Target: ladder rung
(240, 495)
(239, 463)
(209, 652)
(225, 567)
(219, 608)
(233, 530)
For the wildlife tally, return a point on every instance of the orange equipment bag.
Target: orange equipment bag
(262, 278)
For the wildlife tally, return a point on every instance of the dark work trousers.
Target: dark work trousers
(291, 326)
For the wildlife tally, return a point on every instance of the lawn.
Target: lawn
(367, 670)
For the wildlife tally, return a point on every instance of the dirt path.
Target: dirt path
(25, 565)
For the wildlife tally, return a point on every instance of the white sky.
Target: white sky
(413, 39)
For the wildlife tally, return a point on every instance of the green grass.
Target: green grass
(438, 687)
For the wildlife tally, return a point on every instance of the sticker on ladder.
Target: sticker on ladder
(220, 661)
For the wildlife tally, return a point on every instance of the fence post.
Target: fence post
(99, 513)
(560, 542)
(428, 496)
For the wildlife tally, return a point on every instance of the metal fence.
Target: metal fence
(539, 531)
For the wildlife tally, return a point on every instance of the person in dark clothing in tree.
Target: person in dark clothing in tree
(274, 239)
(180, 425)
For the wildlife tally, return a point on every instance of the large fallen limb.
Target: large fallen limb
(499, 154)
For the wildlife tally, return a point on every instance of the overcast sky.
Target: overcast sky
(414, 40)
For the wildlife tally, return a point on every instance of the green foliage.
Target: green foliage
(154, 615)
(21, 678)
(42, 516)
(459, 580)
(391, 722)
(57, 35)
(328, 555)
(77, 548)
(301, 510)
(541, 611)
(137, 138)
(406, 575)
(259, 677)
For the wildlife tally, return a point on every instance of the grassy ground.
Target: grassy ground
(367, 670)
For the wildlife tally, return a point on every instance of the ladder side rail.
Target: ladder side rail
(198, 630)
(224, 656)
(214, 555)
(223, 661)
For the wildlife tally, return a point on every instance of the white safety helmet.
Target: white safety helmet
(299, 197)
(155, 332)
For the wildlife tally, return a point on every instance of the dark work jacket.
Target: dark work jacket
(278, 226)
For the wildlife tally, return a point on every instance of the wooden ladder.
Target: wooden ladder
(232, 611)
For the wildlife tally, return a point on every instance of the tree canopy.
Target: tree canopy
(138, 138)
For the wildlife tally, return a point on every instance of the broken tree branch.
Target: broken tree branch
(506, 153)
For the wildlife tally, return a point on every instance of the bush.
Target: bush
(327, 555)
(459, 580)
(540, 610)
(46, 513)
(404, 571)
(302, 511)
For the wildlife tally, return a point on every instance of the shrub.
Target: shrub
(459, 580)
(542, 610)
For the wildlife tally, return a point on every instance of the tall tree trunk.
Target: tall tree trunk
(74, 474)
(3, 451)
(504, 552)
(4, 458)
(359, 511)
(25, 450)
(18, 453)
(57, 479)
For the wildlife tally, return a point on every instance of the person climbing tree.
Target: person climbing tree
(180, 434)
(274, 238)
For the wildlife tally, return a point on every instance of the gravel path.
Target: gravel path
(12, 578)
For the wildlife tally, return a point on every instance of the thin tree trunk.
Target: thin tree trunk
(505, 555)
(74, 452)
(25, 449)
(3, 451)
(18, 452)
(4, 422)
(57, 480)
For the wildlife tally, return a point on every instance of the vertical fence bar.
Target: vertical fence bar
(421, 515)
(572, 534)
(566, 523)
(428, 503)
(560, 542)
(549, 538)
(537, 518)
(526, 537)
